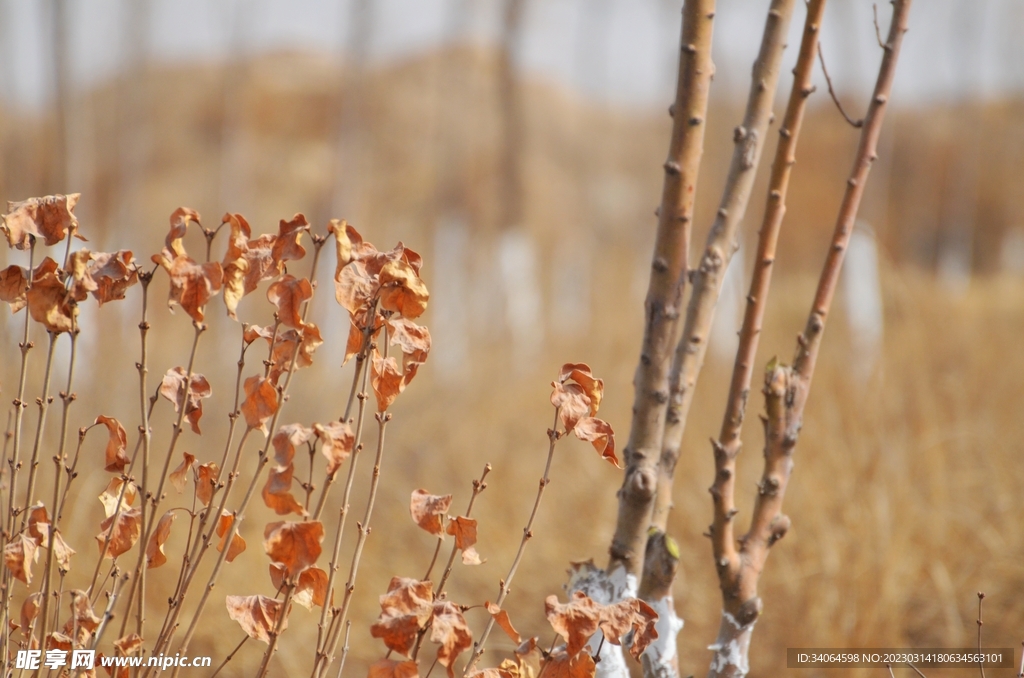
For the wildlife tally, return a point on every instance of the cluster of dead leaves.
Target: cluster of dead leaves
(409, 609)
(577, 396)
(382, 291)
(336, 442)
(429, 511)
(23, 550)
(50, 292)
(77, 632)
(293, 548)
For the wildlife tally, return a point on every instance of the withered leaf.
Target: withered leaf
(448, 628)
(470, 556)
(598, 433)
(20, 554)
(288, 295)
(81, 277)
(82, 612)
(38, 526)
(311, 589)
(428, 510)
(122, 529)
(401, 289)
(49, 217)
(117, 492)
(389, 668)
(113, 273)
(464, 531)
(173, 388)
(632, 614)
(295, 546)
(117, 442)
(254, 332)
(336, 443)
(192, 284)
(287, 438)
(62, 551)
(572, 403)
(277, 493)
(206, 479)
(387, 380)
(562, 664)
(413, 340)
(358, 330)
(285, 346)
(227, 518)
(405, 609)
(155, 556)
(30, 610)
(591, 385)
(286, 246)
(14, 282)
(58, 641)
(180, 219)
(235, 265)
(354, 287)
(346, 238)
(50, 303)
(179, 476)
(501, 619)
(128, 644)
(575, 621)
(508, 669)
(260, 263)
(260, 402)
(257, 615)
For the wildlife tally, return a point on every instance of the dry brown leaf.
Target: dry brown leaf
(128, 644)
(389, 668)
(82, 612)
(572, 403)
(295, 546)
(113, 273)
(591, 385)
(227, 518)
(284, 350)
(505, 671)
(14, 282)
(357, 333)
(62, 551)
(125, 532)
(336, 443)
(448, 628)
(50, 303)
(599, 433)
(257, 615)
(355, 287)
(180, 219)
(38, 526)
(401, 289)
(387, 380)
(428, 510)
(173, 388)
(58, 641)
(206, 479)
(628, 615)
(179, 476)
(113, 495)
(235, 265)
(20, 554)
(115, 457)
(286, 246)
(287, 438)
(575, 621)
(30, 610)
(561, 664)
(405, 609)
(399, 632)
(471, 557)
(287, 295)
(502, 620)
(464, 531)
(260, 402)
(413, 340)
(259, 260)
(192, 284)
(81, 277)
(253, 332)
(50, 217)
(346, 239)
(311, 589)
(277, 493)
(155, 556)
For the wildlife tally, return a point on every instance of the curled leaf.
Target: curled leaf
(224, 523)
(346, 239)
(591, 385)
(20, 554)
(311, 589)
(336, 443)
(155, 556)
(575, 621)
(117, 493)
(563, 664)
(173, 388)
(285, 346)
(206, 479)
(428, 510)
(401, 289)
(387, 380)
(572, 403)
(128, 644)
(260, 402)
(50, 304)
(113, 273)
(501, 619)
(287, 295)
(286, 246)
(277, 494)
(50, 217)
(117, 443)
(257, 615)
(122, 530)
(389, 668)
(630, 615)
(598, 433)
(192, 284)
(464, 531)
(405, 609)
(179, 476)
(448, 628)
(296, 546)
(30, 610)
(180, 219)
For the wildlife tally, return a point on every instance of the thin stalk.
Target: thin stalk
(44, 405)
(145, 435)
(480, 645)
(478, 487)
(275, 634)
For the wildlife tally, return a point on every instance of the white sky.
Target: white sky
(619, 50)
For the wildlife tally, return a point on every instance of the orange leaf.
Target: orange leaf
(128, 644)
(50, 217)
(19, 555)
(155, 556)
(401, 289)
(311, 589)
(30, 610)
(562, 664)
(126, 531)
(502, 620)
(389, 668)
(277, 493)
(449, 629)
(628, 615)
(575, 621)
(286, 246)
(295, 546)
(173, 388)
(235, 265)
(260, 402)
(284, 350)
(599, 433)
(117, 443)
(206, 479)
(50, 303)
(223, 526)
(288, 295)
(113, 273)
(178, 476)
(257, 615)
(192, 284)
(572, 403)
(336, 443)
(428, 510)
(405, 609)
(81, 277)
(287, 438)
(14, 282)
(464, 531)
(354, 287)
(387, 380)
(115, 493)
(259, 262)
(413, 340)
(180, 219)
(346, 239)
(58, 641)
(592, 386)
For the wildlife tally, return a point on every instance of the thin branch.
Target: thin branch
(878, 30)
(667, 282)
(832, 93)
(981, 622)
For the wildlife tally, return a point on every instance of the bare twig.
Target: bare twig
(786, 390)
(667, 282)
(981, 622)
(832, 93)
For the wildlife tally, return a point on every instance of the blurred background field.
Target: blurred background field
(521, 155)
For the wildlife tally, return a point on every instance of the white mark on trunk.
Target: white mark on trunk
(604, 589)
(731, 648)
(660, 656)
